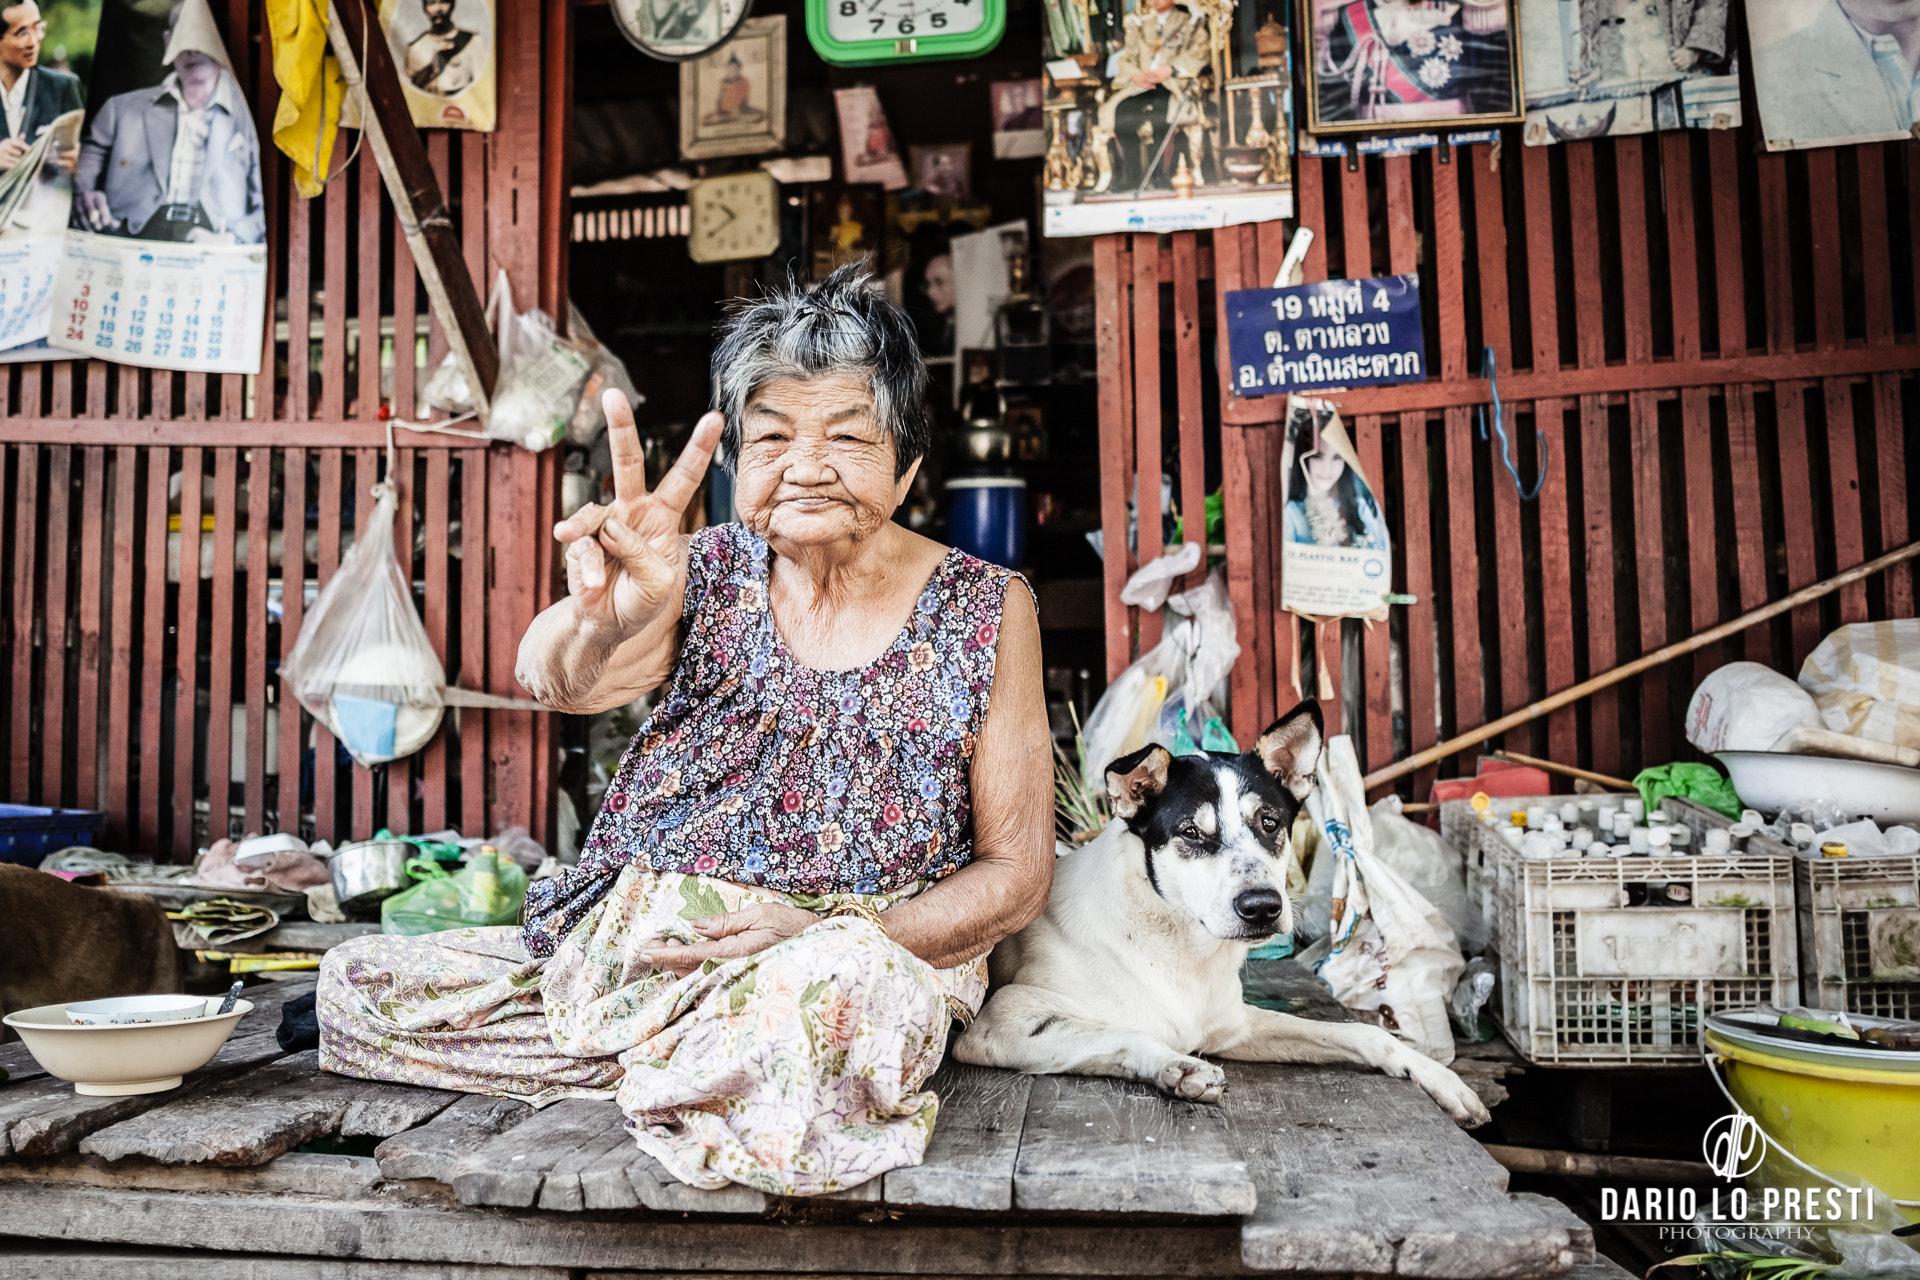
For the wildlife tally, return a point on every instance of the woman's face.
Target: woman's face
(1323, 469)
(814, 468)
(939, 276)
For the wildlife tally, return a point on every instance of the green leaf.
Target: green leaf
(813, 991)
(737, 1001)
(701, 901)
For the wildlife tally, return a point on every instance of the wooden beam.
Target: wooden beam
(420, 208)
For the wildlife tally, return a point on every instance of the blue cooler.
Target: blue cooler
(987, 517)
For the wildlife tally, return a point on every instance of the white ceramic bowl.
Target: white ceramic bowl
(122, 1011)
(109, 1061)
(1771, 780)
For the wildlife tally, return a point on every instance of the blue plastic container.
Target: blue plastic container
(29, 833)
(987, 517)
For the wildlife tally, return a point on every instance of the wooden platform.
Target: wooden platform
(1307, 1171)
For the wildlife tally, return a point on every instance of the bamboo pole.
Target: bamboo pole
(1585, 688)
(1566, 770)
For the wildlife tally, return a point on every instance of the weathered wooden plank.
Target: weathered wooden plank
(1827, 277)
(46, 1117)
(1796, 501)
(1469, 701)
(432, 1150)
(1843, 479)
(386, 1227)
(251, 1119)
(253, 761)
(561, 1189)
(119, 658)
(976, 1140)
(87, 612)
(1749, 538)
(299, 1173)
(473, 639)
(137, 1263)
(1650, 570)
(26, 503)
(333, 303)
(1596, 513)
(219, 756)
(186, 667)
(293, 580)
(153, 632)
(510, 1169)
(1186, 351)
(1099, 1145)
(53, 653)
(433, 759)
(1237, 489)
(325, 794)
(366, 473)
(1361, 1173)
(1890, 461)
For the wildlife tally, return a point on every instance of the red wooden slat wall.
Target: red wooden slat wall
(159, 706)
(1717, 400)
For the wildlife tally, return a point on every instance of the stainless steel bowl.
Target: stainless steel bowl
(370, 870)
(987, 443)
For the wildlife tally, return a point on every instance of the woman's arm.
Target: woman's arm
(617, 634)
(1006, 884)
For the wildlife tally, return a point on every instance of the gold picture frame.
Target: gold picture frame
(733, 101)
(1385, 66)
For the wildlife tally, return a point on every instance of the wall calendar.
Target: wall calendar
(198, 307)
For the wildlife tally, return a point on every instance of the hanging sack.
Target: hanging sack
(362, 665)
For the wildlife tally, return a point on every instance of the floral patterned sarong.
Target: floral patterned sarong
(796, 1071)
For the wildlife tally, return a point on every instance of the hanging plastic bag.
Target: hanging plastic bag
(1148, 587)
(487, 891)
(1865, 678)
(1390, 950)
(609, 373)
(542, 376)
(363, 665)
(1434, 869)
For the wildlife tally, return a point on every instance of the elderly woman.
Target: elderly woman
(841, 802)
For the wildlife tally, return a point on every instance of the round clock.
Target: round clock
(679, 30)
(864, 33)
(734, 216)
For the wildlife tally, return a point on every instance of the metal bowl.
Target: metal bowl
(987, 443)
(1771, 780)
(366, 872)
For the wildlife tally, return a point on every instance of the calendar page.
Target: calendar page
(27, 268)
(194, 307)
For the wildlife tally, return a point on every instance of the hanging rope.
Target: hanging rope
(1500, 429)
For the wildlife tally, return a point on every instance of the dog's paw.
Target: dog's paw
(1449, 1090)
(1193, 1079)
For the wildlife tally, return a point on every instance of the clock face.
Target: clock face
(735, 216)
(678, 30)
(850, 21)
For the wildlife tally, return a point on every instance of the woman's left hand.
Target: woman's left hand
(746, 932)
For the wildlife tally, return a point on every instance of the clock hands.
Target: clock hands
(731, 215)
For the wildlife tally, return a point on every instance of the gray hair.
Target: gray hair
(846, 326)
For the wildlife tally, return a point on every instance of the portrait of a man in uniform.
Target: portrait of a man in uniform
(1412, 63)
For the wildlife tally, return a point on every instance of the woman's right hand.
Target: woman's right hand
(624, 560)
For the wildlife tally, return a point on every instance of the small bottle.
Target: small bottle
(1639, 843)
(1719, 840)
(1833, 849)
(1518, 818)
(1582, 841)
(1536, 817)
(1801, 834)
(1634, 808)
(1659, 840)
(1752, 818)
(1605, 814)
(1658, 818)
(1679, 893)
(1552, 822)
(1512, 833)
(1622, 826)
(1680, 838)
(1570, 814)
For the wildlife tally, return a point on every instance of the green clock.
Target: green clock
(865, 33)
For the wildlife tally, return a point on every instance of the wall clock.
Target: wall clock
(735, 216)
(864, 33)
(679, 30)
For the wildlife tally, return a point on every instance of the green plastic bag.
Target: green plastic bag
(488, 890)
(1701, 783)
(443, 850)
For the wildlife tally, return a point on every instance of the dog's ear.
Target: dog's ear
(1136, 778)
(1290, 749)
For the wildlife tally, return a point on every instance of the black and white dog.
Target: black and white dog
(1134, 967)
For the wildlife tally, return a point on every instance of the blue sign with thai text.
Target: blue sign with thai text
(1315, 337)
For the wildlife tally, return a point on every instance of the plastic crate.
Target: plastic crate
(29, 833)
(1587, 980)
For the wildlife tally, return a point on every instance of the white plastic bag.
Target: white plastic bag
(1148, 587)
(1865, 679)
(1390, 950)
(609, 373)
(362, 664)
(1744, 706)
(541, 377)
(1432, 867)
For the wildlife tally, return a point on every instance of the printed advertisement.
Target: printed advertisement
(165, 263)
(1335, 557)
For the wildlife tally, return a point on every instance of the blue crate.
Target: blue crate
(29, 833)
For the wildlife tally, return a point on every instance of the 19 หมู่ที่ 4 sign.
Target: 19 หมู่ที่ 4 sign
(1337, 333)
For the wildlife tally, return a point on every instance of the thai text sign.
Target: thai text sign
(1337, 333)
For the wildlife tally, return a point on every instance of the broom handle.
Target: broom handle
(1601, 779)
(1546, 706)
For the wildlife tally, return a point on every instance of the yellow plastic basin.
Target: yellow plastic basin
(1845, 1119)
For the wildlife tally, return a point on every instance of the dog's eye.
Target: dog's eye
(1189, 832)
(1268, 823)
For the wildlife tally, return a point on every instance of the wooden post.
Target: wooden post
(419, 206)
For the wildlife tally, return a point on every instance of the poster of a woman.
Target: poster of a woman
(1335, 560)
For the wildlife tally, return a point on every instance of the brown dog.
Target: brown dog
(62, 942)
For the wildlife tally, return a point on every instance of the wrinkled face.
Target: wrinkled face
(1216, 826)
(815, 468)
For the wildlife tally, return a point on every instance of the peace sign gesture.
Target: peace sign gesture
(626, 562)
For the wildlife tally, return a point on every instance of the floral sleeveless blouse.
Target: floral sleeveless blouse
(757, 769)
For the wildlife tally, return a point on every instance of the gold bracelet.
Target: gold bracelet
(855, 907)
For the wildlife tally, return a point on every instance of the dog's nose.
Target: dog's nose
(1258, 907)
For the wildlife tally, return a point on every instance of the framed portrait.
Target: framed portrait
(444, 51)
(944, 172)
(1815, 79)
(1019, 122)
(733, 102)
(1596, 70)
(868, 152)
(1385, 66)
